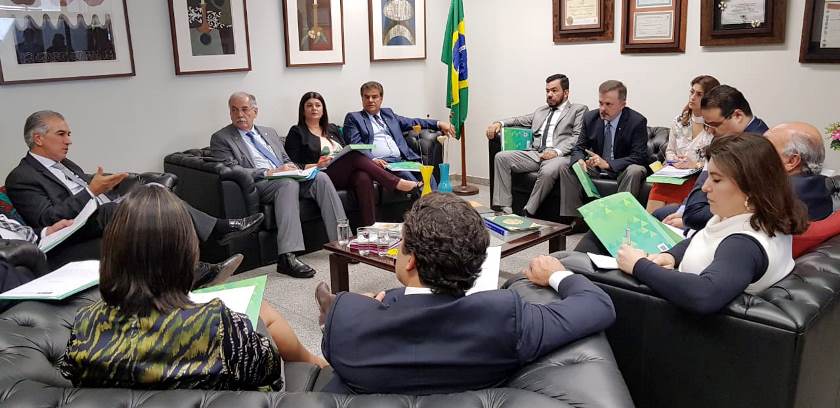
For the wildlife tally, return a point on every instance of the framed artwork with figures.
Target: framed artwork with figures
(209, 36)
(397, 29)
(742, 22)
(314, 32)
(64, 40)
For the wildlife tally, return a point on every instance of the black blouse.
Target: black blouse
(304, 148)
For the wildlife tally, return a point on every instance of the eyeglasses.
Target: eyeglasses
(714, 125)
(246, 109)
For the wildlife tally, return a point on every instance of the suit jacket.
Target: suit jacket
(567, 131)
(629, 144)
(430, 344)
(305, 148)
(358, 129)
(227, 144)
(40, 197)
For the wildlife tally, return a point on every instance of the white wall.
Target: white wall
(511, 52)
(131, 123)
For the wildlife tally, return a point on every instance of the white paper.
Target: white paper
(581, 12)
(648, 26)
(830, 34)
(602, 261)
(50, 241)
(675, 229)
(294, 173)
(236, 299)
(671, 171)
(488, 279)
(63, 281)
(653, 3)
(743, 12)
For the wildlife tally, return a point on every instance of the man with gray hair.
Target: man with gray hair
(800, 146)
(260, 151)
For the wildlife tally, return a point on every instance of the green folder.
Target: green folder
(404, 166)
(586, 182)
(666, 180)
(258, 283)
(512, 222)
(361, 146)
(516, 138)
(611, 216)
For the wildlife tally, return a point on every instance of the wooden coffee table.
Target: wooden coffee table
(342, 256)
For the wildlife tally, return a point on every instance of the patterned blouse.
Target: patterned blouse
(681, 142)
(204, 346)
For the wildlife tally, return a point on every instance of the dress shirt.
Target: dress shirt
(613, 129)
(553, 281)
(383, 142)
(555, 119)
(6, 234)
(260, 162)
(71, 185)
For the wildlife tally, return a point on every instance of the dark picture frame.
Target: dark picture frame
(71, 43)
(810, 50)
(768, 28)
(313, 32)
(396, 38)
(633, 40)
(209, 36)
(601, 31)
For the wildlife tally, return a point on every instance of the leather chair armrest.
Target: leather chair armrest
(24, 253)
(657, 143)
(426, 145)
(494, 146)
(167, 180)
(232, 185)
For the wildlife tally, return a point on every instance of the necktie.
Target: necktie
(545, 129)
(381, 123)
(263, 151)
(608, 140)
(12, 226)
(78, 180)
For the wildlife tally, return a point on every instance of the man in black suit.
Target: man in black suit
(430, 338)
(47, 187)
(612, 144)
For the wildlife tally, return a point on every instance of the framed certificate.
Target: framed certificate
(653, 26)
(583, 20)
(821, 32)
(742, 22)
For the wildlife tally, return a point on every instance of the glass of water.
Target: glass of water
(363, 239)
(344, 233)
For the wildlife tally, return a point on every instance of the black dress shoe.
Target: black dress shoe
(324, 297)
(288, 264)
(238, 227)
(215, 274)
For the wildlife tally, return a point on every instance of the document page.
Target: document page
(489, 277)
(50, 241)
(59, 284)
(236, 299)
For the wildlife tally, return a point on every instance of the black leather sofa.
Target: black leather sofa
(775, 349)
(523, 183)
(24, 261)
(33, 336)
(225, 190)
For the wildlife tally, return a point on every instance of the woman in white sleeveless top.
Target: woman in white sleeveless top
(745, 247)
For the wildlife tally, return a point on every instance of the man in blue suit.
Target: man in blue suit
(384, 129)
(429, 337)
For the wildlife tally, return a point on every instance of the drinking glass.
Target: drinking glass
(363, 240)
(344, 233)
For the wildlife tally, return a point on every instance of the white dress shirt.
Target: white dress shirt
(383, 143)
(260, 162)
(555, 119)
(553, 281)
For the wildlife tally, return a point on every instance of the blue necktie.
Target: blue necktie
(608, 140)
(381, 123)
(263, 151)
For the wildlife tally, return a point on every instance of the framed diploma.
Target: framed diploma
(583, 20)
(821, 32)
(653, 26)
(742, 22)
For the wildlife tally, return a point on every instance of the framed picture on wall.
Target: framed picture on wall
(209, 36)
(582, 20)
(397, 29)
(653, 26)
(742, 22)
(821, 32)
(314, 32)
(51, 41)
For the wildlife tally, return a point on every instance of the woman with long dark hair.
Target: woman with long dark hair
(314, 140)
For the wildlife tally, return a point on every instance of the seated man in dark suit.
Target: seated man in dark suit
(384, 129)
(260, 150)
(430, 338)
(47, 187)
(725, 112)
(612, 144)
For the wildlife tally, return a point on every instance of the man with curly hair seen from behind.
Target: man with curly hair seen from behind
(429, 338)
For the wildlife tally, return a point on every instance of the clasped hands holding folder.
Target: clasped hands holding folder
(629, 255)
(593, 160)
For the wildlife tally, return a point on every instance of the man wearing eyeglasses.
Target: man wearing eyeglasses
(725, 112)
(260, 151)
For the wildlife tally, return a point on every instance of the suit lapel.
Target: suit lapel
(45, 171)
(368, 126)
(619, 130)
(244, 153)
(558, 128)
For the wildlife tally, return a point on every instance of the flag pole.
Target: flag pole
(464, 189)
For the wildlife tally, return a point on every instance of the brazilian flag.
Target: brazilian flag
(455, 56)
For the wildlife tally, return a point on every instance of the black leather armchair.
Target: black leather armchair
(226, 190)
(523, 183)
(775, 349)
(22, 262)
(33, 336)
